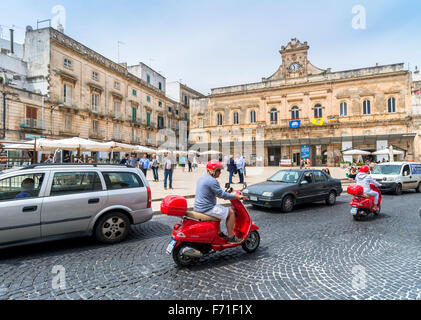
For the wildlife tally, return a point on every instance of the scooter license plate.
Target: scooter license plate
(171, 246)
(354, 211)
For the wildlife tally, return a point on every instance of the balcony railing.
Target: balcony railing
(96, 134)
(136, 140)
(33, 124)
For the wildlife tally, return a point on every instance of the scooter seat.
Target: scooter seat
(200, 216)
(365, 196)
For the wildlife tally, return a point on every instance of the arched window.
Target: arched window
(366, 107)
(295, 113)
(219, 119)
(273, 116)
(391, 105)
(343, 109)
(235, 117)
(318, 111)
(252, 116)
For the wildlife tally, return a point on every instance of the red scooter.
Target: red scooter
(362, 204)
(197, 235)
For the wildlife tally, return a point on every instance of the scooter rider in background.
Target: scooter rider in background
(364, 179)
(207, 190)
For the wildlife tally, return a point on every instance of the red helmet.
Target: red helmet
(364, 169)
(213, 165)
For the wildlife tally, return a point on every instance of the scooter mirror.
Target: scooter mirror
(244, 186)
(227, 185)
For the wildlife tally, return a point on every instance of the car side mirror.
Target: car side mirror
(304, 182)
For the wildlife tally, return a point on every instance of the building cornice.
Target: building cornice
(69, 43)
(267, 88)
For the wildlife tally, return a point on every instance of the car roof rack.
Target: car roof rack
(68, 164)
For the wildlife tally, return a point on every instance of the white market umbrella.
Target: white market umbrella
(211, 152)
(356, 152)
(384, 152)
(144, 149)
(73, 144)
(25, 145)
(162, 151)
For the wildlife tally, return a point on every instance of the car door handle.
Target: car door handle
(30, 209)
(92, 201)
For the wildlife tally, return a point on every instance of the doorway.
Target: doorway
(274, 154)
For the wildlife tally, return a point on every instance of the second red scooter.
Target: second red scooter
(362, 204)
(197, 235)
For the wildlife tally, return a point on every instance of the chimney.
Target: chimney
(11, 41)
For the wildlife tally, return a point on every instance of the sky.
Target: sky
(215, 43)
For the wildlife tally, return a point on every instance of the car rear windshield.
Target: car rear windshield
(387, 169)
(285, 176)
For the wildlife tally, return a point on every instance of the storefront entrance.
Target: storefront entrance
(274, 156)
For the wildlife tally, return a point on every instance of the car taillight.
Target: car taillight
(149, 198)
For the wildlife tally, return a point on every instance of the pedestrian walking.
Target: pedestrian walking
(183, 163)
(125, 160)
(231, 167)
(133, 161)
(144, 164)
(190, 164)
(240, 167)
(155, 168)
(169, 169)
(194, 163)
(301, 164)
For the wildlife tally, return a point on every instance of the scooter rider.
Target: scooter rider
(364, 179)
(207, 190)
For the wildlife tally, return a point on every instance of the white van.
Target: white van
(398, 176)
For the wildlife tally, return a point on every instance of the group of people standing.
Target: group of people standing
(192, 163)
(236, 166)
(153, 164)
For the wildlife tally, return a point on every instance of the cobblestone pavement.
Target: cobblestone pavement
(315, 252)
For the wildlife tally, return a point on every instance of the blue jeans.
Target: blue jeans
(231, 175)
(240, 173)
(155, 173)
(167, 173)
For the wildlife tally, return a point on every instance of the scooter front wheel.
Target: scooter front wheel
(180, 259)
(252, 242)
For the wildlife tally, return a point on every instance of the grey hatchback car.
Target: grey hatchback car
(50, 202)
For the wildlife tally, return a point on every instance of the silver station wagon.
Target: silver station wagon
(50, 202)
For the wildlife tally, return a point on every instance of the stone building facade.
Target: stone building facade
(303, 107)
(80, 93)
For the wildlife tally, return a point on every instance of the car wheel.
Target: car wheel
(418, 189)
(112, 228)
(252, 242)
(398, 189)
(287, 204)
(331, 199)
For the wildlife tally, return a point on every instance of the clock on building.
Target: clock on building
(294, 67)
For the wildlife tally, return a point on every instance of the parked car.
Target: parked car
(48, 202)
(398, 176)
(286, 188)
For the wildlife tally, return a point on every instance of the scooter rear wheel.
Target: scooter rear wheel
(180, 259)
(252, 242)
